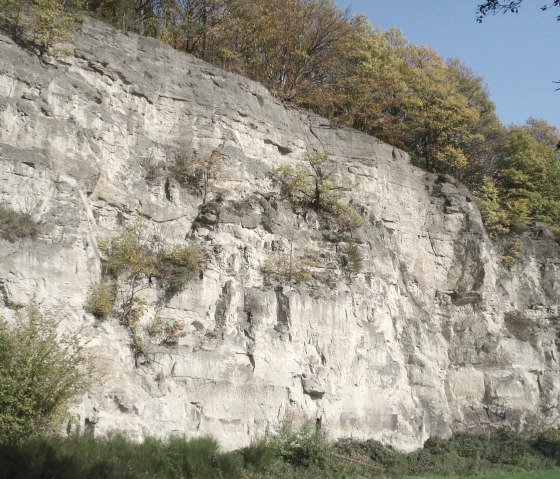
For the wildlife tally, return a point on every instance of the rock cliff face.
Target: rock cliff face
(433, 336)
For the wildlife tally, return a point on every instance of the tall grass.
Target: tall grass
(116, 457)
(289, 452)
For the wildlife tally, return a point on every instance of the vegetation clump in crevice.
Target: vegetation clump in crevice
(314, 184)
(15, 225)
(292, 261)
(201, 173)
(132, 263)
(168, 333)
(268, 215)
(101, 299)
(512, 253)
(352, 259)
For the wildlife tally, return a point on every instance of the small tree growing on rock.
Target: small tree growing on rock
(199, 172)
(131, 262)
(314, 185)
(352, 259)
(294, 264)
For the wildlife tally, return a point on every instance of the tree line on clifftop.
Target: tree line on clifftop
(314, 55)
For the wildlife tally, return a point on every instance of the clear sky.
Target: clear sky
(516, 54)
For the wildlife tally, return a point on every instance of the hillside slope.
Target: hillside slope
(433, 335)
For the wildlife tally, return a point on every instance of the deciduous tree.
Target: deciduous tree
(41, 373)
(41, 23)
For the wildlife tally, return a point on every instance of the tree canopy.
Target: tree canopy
(314, 55)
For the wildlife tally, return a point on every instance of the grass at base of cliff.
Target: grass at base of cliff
(542, 474)
(301, 454)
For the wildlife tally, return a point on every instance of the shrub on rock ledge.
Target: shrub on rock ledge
(15, 225)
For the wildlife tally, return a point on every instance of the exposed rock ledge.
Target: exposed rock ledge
(433, 336)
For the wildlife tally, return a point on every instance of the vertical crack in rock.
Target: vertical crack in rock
(254, 305)
(466, 275)
(168, 193)
(222, 308)
(248, 331)
(4, 294)
(197, 413)
(283, 317)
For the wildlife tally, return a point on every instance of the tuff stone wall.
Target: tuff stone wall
(434, 335)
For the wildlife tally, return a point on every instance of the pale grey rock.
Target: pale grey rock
(433, 336)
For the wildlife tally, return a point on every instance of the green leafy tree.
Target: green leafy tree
(526, 187)
(42, 23)
(487, 135)
(41, 374)
(194, 26)
(131, 262)
(366, 91)
(529, 175)
(493, 215)
(436, 121)
(147, 17)
(315, 184)
(408, 96)
(542, 131)
(289, 45)
(353, 259)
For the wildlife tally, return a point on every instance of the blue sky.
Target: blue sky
(516, 54)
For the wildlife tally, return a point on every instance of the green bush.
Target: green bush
(101, 299)
(303, 447)
(259, 455)
(116, 457)
(198, 172)
(314, 185)
(548, 444)
(512, 253)
(131, 263)
(177, 267)
(41, 373)
(15, 225)
(353, 260)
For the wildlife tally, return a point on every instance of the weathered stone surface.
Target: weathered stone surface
(433, 335)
